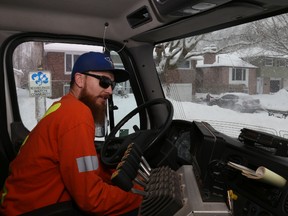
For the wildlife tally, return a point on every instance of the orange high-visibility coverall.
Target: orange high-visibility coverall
(58, 162)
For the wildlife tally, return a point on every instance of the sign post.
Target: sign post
(40, 88)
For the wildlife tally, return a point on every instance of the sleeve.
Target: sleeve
(104, 172)
(80, 171)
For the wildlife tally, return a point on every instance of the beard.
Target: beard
(98, 110)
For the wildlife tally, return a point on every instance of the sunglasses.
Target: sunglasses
(104, 81)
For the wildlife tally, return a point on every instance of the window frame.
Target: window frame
(180, 66)
(235, 74)
(268, 62)
(73, 54)
(281, 62)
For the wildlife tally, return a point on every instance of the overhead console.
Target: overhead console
(171, 9)
(191, 17)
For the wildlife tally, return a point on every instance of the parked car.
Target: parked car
(240, 102)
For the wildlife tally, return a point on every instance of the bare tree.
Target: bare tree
(28, 57)
(169, 53)
(271, 34)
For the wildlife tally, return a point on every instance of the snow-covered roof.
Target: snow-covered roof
(226, 60)
(65, 47)
(198, 58)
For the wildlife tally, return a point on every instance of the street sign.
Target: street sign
(40, 83)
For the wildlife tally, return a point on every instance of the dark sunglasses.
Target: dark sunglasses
(104, 81)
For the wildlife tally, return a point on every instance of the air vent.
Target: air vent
(139, 17)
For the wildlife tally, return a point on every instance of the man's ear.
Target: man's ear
(79, 80)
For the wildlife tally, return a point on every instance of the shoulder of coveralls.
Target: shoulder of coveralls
(72, 108)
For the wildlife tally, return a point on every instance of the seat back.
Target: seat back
(4, 165)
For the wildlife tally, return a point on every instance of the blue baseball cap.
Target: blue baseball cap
(96, 61)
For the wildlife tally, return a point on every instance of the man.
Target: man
(58, 161)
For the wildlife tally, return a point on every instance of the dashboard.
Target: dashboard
(206, 163)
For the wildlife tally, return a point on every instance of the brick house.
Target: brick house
(59, 60)
(218, 73)
(213, 73)
(178, 82)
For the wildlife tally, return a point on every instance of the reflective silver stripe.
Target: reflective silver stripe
(87, 163)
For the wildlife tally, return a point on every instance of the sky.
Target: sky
(224, 120)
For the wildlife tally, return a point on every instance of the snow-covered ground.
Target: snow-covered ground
(224, 120)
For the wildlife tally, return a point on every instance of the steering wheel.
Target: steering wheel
(113, 147)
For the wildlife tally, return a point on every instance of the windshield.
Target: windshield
(249, 62)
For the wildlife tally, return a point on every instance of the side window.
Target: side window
(42, 76)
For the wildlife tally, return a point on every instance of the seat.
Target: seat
(4, 165)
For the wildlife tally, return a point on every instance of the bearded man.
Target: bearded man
(58, 165)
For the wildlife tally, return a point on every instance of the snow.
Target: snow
(277, 101)
(224, 120)
(231, 122)
(226, 60)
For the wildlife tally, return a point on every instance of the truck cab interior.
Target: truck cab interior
(181, 56)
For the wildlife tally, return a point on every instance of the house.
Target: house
(272, 72)
(218, 73)
(179, 80)
(211, 72)
(60, 58)
(253, 71)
